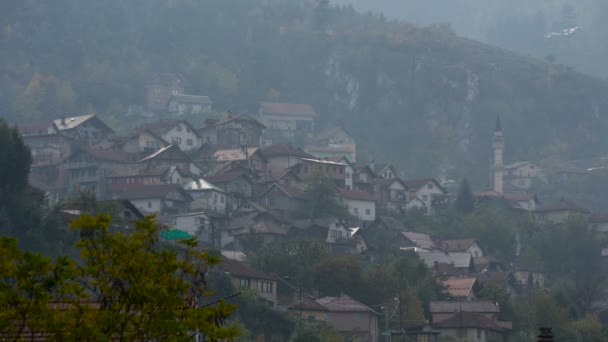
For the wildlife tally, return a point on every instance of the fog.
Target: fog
(561, 31)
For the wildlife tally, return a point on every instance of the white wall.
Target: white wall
(148, 205)
(364, 210)
(180, 138)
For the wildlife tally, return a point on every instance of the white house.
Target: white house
(157, 198)
(181, 104)
(206, 195)
(462, 245)
(430, 192)
(179, 133)
(194, 223)
(360, 204)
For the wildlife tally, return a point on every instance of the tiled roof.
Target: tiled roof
(459, 287)
(460, 245)
(520, 196)
(34, 127)
(138, 191)
(71, 122)
(336, 149)
(344, 303)
(469, 320)
(478, 306)
(356, 195)
(291, 191)
(230, 118)
(329, 133)
(415, 184)
(108, 155)
(226, 177)
(308, 303)
(420, 240)
(239, 269)
(174, 148)
(235, 154)
(191, 99)
(200, 184)
(460, 260)
(599, 217)
(279, 150)
(287, 109)
(561, 205)
(163, 126)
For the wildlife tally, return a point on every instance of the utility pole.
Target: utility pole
(387, 334)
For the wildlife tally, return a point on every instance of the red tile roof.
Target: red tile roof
(356, 195)
(469, 320)
(287, 109)
(108, 155)
(344, 303)
(460, 245)
(239, 269)
(34, 127)
(138, 191)
(459, 287)
(478, 306)
(420, 240)
(279, 150)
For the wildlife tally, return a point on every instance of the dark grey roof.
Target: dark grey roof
(458, 259)
(481, 306)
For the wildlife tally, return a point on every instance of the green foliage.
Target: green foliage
(465, 202)
(126, 287)
(322, 199)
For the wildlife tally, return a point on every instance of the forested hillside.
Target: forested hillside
(424, 97)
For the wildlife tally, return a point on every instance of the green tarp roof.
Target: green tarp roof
(174, 234)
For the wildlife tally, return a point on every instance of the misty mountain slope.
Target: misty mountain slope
(421, 97)
(571, 32)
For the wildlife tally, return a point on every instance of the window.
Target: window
(149, 204)
(179, 128)
(368, 212)
(189, 142)
(243, 282)
(177, 140)
(430, 185)
(425, 198)
(221, 199)
(355, 210)
(340, 234)
(476, 254)
(341, 171)
(187, 129)
(333, 233)
(305, 169)
(266, 287)
(348, 175)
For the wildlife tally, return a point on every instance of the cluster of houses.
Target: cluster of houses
(240, 179)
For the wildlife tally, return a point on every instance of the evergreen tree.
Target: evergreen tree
(465, 203)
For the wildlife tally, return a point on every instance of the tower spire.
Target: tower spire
(498, 127)
(497, 165)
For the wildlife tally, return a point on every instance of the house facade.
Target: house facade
(360, 204)
(160, 199)
(286, 122)
(245, 277)
(181, 104)
(159, 89)
(429, 192)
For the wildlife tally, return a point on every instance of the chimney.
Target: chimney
(63, 120)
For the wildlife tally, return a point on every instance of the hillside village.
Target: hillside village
(257, 179)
